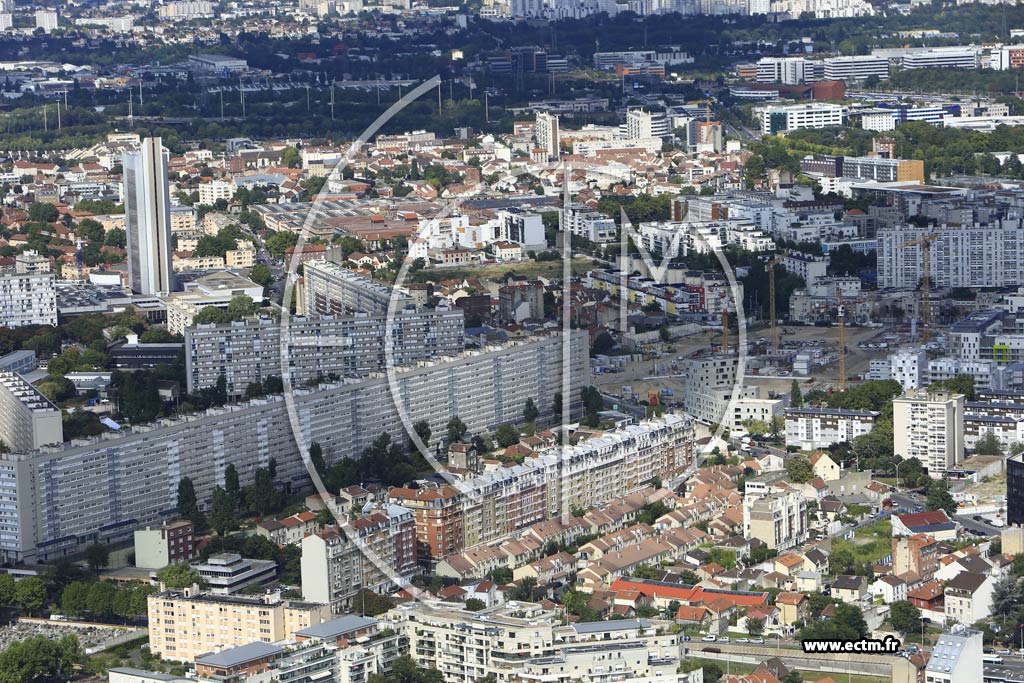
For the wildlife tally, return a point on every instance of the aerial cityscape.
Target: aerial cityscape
(512, 341)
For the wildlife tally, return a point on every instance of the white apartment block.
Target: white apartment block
(60, 498)
(777, 516)
(210, 192)
(969, 255)
(785, 70)
(525, 642)
(331, 289)
(318, 347)
(642, 124)
(581, 220)
(46, 19)
(942, 58)
(546, 130)
(520, 227)
(929, 426)
(813, 427)
(27, 418)
(779, 119)
(28, 299)
(958, 656)
(909, 367)
(808, 266)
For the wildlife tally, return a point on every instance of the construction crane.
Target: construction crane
(841, 315)
(771, 297)
(926, 268)
(707, 109)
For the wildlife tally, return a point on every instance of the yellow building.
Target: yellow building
(184, 624)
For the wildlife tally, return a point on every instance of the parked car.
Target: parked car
(742, 640)
(708, 639)
(757, 641)
(724, 639)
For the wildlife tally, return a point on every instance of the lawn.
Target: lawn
(870, 543)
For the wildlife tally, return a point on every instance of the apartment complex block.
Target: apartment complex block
(28, 296)
(968, 255)
(367, 553)
(555, 481)
(331, 289)
(869, 168)
(318, 347)
(184, 624)
(27, 418)
(167, 544)
(582, 221)
(815, 427)
(484, 388)
(929, 426)
(524, 641)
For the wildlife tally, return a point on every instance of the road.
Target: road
(968, 522)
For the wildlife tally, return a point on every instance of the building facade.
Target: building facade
(929, 426)
(148, 219)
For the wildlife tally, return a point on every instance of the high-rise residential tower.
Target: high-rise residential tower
(147, 219)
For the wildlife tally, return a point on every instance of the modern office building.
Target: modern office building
(869, 168)
(319, 347)
(230, 573)
(929, 426)
(331, 289)
(185, 624)
(21, 362)
(147, 219)
(27, 418)
(778, 119)
(64, 497)
(942, 58)
(785, 70)
(856, 68)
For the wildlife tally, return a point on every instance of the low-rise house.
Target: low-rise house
(849, 589)
(889, 588)
(968, 597)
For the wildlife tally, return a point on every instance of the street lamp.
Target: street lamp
(901, 462)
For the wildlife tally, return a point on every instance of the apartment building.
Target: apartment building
(521, 227)
(581, 220)
(958, 655)
(331, 289)
(28, 419)
(929, 426)
(786, 70)
(778, 119)
(814, 427)
(170, 543)
(524, 641)
(868, 168)
(556, 480)
(28, 296)
(376, 552)
(210, 192)
(318, 347)
(917, 555)
(642, 124)
(968, 255)
(484, 388)
(968, 597)
(546, 131)
(776, 514)
(215, 289)
(184, 624)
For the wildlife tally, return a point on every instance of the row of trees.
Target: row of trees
(39, 658)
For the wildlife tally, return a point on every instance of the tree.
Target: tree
(263, 496)
(30, 594)
(755, 627)
(799, 469)
(988, 445)
(39, 658)
(40, 212)
(456, 429)
(97, 556)
(506, 435)
(179, 575)
(796, 397)
(556, 405)
(74, 600)
(6, 590)
(530, 412)
(939, 497)
(316, 459)
(905, 617)
(291, 158)
(231, 484)
(261, 275)
(1006, 597)
(222, 517)
(188, 505)
(475, 604)
(712, 672)
(280, 242)
(603, 343)
(371, 604)
(101, 598)
(116, 237)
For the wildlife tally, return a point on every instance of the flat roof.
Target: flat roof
(337, 627)
(239, 655)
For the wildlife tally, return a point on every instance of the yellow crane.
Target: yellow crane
(926, 269)
(771, 297)
(707, 109)
(841, 314)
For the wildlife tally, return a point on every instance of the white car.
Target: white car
(742, 640)
(724, 639)
(708, 639)
(757, 641)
